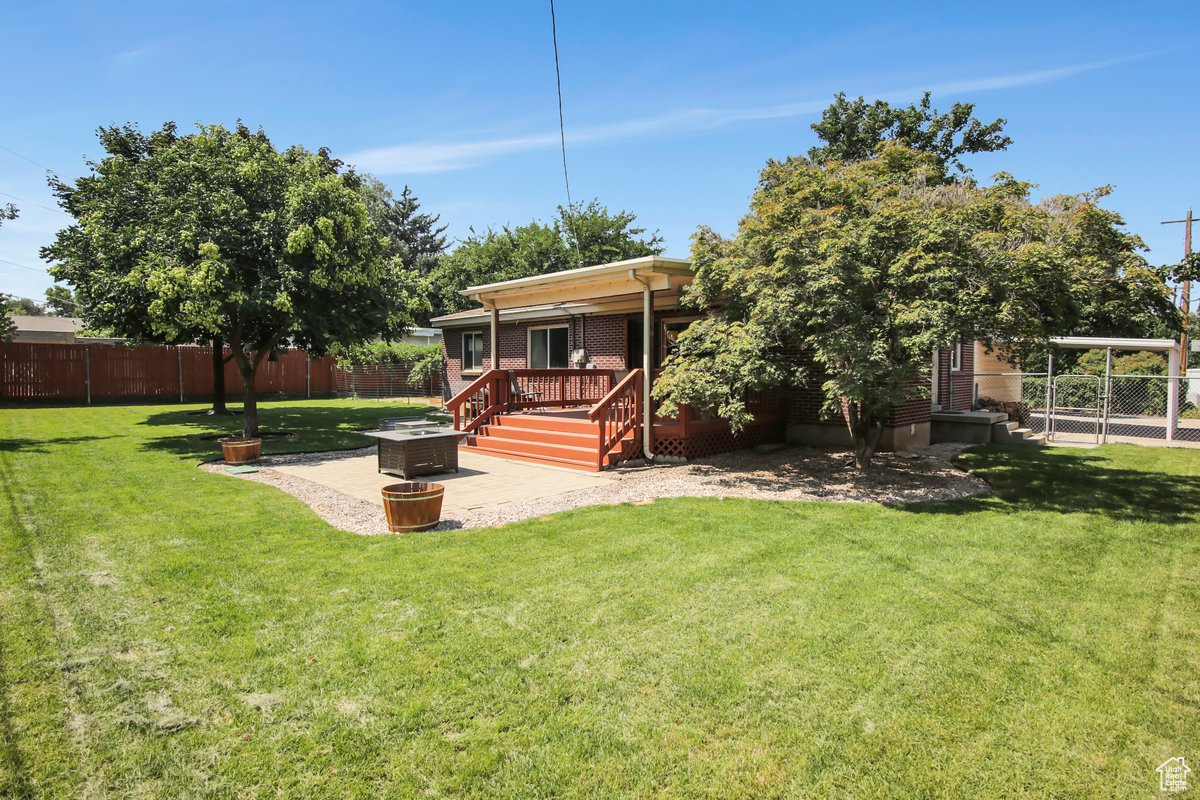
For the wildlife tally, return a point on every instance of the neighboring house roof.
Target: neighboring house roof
(27, 324)
(425, 332)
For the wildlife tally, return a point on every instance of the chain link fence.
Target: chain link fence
(1021, 395)
(382, 381)
(1135, 409)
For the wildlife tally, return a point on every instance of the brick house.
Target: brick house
(553, 368)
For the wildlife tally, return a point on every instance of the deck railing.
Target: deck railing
(485, 397)
(554, 388)
(618, 413)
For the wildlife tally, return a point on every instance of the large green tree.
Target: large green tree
(414, 237)
(868, 267)
(1125, 299)
(218, 233)
(853, 130)
(60, 301)
(25, 306)
(582, 235)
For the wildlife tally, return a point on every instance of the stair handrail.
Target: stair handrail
(485, 397)
(618, 412)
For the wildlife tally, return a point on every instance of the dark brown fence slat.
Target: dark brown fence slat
(35, 371)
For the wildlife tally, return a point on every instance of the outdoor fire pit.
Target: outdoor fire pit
(413, 506)
(419, 450)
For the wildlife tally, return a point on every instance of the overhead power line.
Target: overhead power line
(31, 203)
(562, 137)
(30, 160)
(26, 266)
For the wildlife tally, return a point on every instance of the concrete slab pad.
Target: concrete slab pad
(481, 481)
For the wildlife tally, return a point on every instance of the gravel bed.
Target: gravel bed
(781, 473)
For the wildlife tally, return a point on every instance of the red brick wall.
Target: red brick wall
(605, 342)
(956, 390)
(606, 346)
(805, 403)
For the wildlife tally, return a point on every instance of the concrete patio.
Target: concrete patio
(481, 482)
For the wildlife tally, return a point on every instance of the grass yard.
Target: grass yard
(166, 632)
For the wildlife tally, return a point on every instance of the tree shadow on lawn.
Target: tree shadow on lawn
(1070, 482)
(290, 428)
(27, 445)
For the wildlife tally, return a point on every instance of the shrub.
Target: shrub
(424, 360)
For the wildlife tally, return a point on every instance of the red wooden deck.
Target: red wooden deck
(585, 419)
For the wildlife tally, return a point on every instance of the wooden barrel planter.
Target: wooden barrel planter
(241, 451)
(413, 506)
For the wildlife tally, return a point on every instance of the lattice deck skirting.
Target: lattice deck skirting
(709, 439)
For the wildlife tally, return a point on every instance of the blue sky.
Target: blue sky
(671, 108)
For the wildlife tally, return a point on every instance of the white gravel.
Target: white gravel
(781, 473)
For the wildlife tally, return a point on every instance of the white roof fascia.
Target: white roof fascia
(1116, 343)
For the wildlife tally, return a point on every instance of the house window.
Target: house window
(669, 335)
(548, 348)
(956, 356)
(472, 352)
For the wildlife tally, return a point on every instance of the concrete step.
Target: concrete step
(1012, 433)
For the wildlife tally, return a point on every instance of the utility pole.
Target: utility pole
(1185, 300)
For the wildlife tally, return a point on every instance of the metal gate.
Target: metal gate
(1076, 408)
(1129, 409)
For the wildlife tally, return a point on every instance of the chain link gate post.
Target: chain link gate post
(1107, 392)
(1049, 423)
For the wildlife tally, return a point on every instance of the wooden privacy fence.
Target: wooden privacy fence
(34, 371)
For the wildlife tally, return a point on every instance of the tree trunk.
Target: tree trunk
(867, 431)
(249, 400)
(247, 366)
(218, 376)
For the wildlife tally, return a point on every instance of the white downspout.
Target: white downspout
(647, 343)
(495, 335)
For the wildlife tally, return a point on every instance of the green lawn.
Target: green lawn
(166, 632)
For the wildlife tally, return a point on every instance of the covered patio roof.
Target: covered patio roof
(602, 281)
(600, 305)
(1116, 343)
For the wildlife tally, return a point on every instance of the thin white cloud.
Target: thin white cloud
(444, 156)
(130, 62)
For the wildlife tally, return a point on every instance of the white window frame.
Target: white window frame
(463, 356)
(956, 355)
(529, 344)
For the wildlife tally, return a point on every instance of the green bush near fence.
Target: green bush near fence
(423, 360)
(1132, 396)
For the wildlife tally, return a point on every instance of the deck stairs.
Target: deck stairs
(550, 438)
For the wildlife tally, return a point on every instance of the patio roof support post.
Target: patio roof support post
(1173, 384)
(495, 333)
(647, 374)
